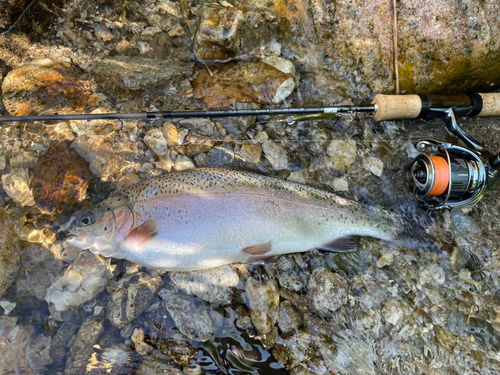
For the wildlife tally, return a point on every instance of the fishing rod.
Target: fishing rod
(442, 176)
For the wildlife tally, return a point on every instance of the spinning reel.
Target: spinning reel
(448, 176)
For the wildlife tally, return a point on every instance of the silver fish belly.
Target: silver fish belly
(210, 217)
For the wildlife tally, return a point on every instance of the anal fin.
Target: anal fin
(340, 245)
(259, 249)
(142, 234)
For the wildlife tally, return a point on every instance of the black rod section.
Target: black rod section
(186, 114)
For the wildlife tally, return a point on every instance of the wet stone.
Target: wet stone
(342, 153)
(226, 32)
(171, 134)
(276, 155)
(16, 187)
(14, 339)
(289, 318)
(263, 300)
(157, 143)
(132, 296)
(393, 312)
(220, 156)
(242, 82)
(374, 165)
(181, 352)
(60, 342)
(112, 360)
(291, 351)
(45, 88)
(10, 259)
(81, 282)
(81, 350)
(190, 316)
(327, 291)
(445, 337)
(37, 352)
(139, 73)
(250, 153)
(212, 285)
(60, 180)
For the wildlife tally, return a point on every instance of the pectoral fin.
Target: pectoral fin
(259, 249)
(340, 245)
(142, 234)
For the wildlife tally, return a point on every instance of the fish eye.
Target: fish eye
(86, 220)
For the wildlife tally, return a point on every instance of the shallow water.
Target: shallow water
(385, 309)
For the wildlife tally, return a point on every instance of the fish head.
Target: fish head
(101, 230)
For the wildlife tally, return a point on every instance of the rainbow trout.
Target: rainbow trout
(205, 218)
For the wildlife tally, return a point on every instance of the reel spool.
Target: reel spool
(451, 176)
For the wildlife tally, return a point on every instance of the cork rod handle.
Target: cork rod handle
(491, 105)
(396, 107)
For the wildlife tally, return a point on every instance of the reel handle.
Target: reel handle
(398, 107)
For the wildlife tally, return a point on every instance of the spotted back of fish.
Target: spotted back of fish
(208, 181)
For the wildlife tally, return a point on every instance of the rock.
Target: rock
(132, 296)
(14, 339)
(181, 352)
(343, 153)
(81, 282)
(345, 44)
(139, 73)
(220, 156)
(46, 88)
(286, 66)
(292, 351)
(263, 301)
(432, 275)
(276, 154)
(16, 187)
(182, 163)
(38, 352)
(213, 285)
(81, 350)
(10, 259)
(393, 312)
(385, 260)
(340, 184)
(202, 125)
(239, 82)
(238, 125)
(157, 143)
(374, 165)
(291, 281)
(327, 291)
(190, 316)
(289, 318)
(102, 32)
(445, 337)
(243, 322)
(138, 339)
(171, 134)
(112, 360)
(227, 32)
(60, 180)
(250, 153)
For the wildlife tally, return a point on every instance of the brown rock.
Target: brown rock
(444, 45)
(9, 255)
(243, 82)
(227, 32)
(45, 88)
(60, 179)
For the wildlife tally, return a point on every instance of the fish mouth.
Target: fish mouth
(81, 241)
